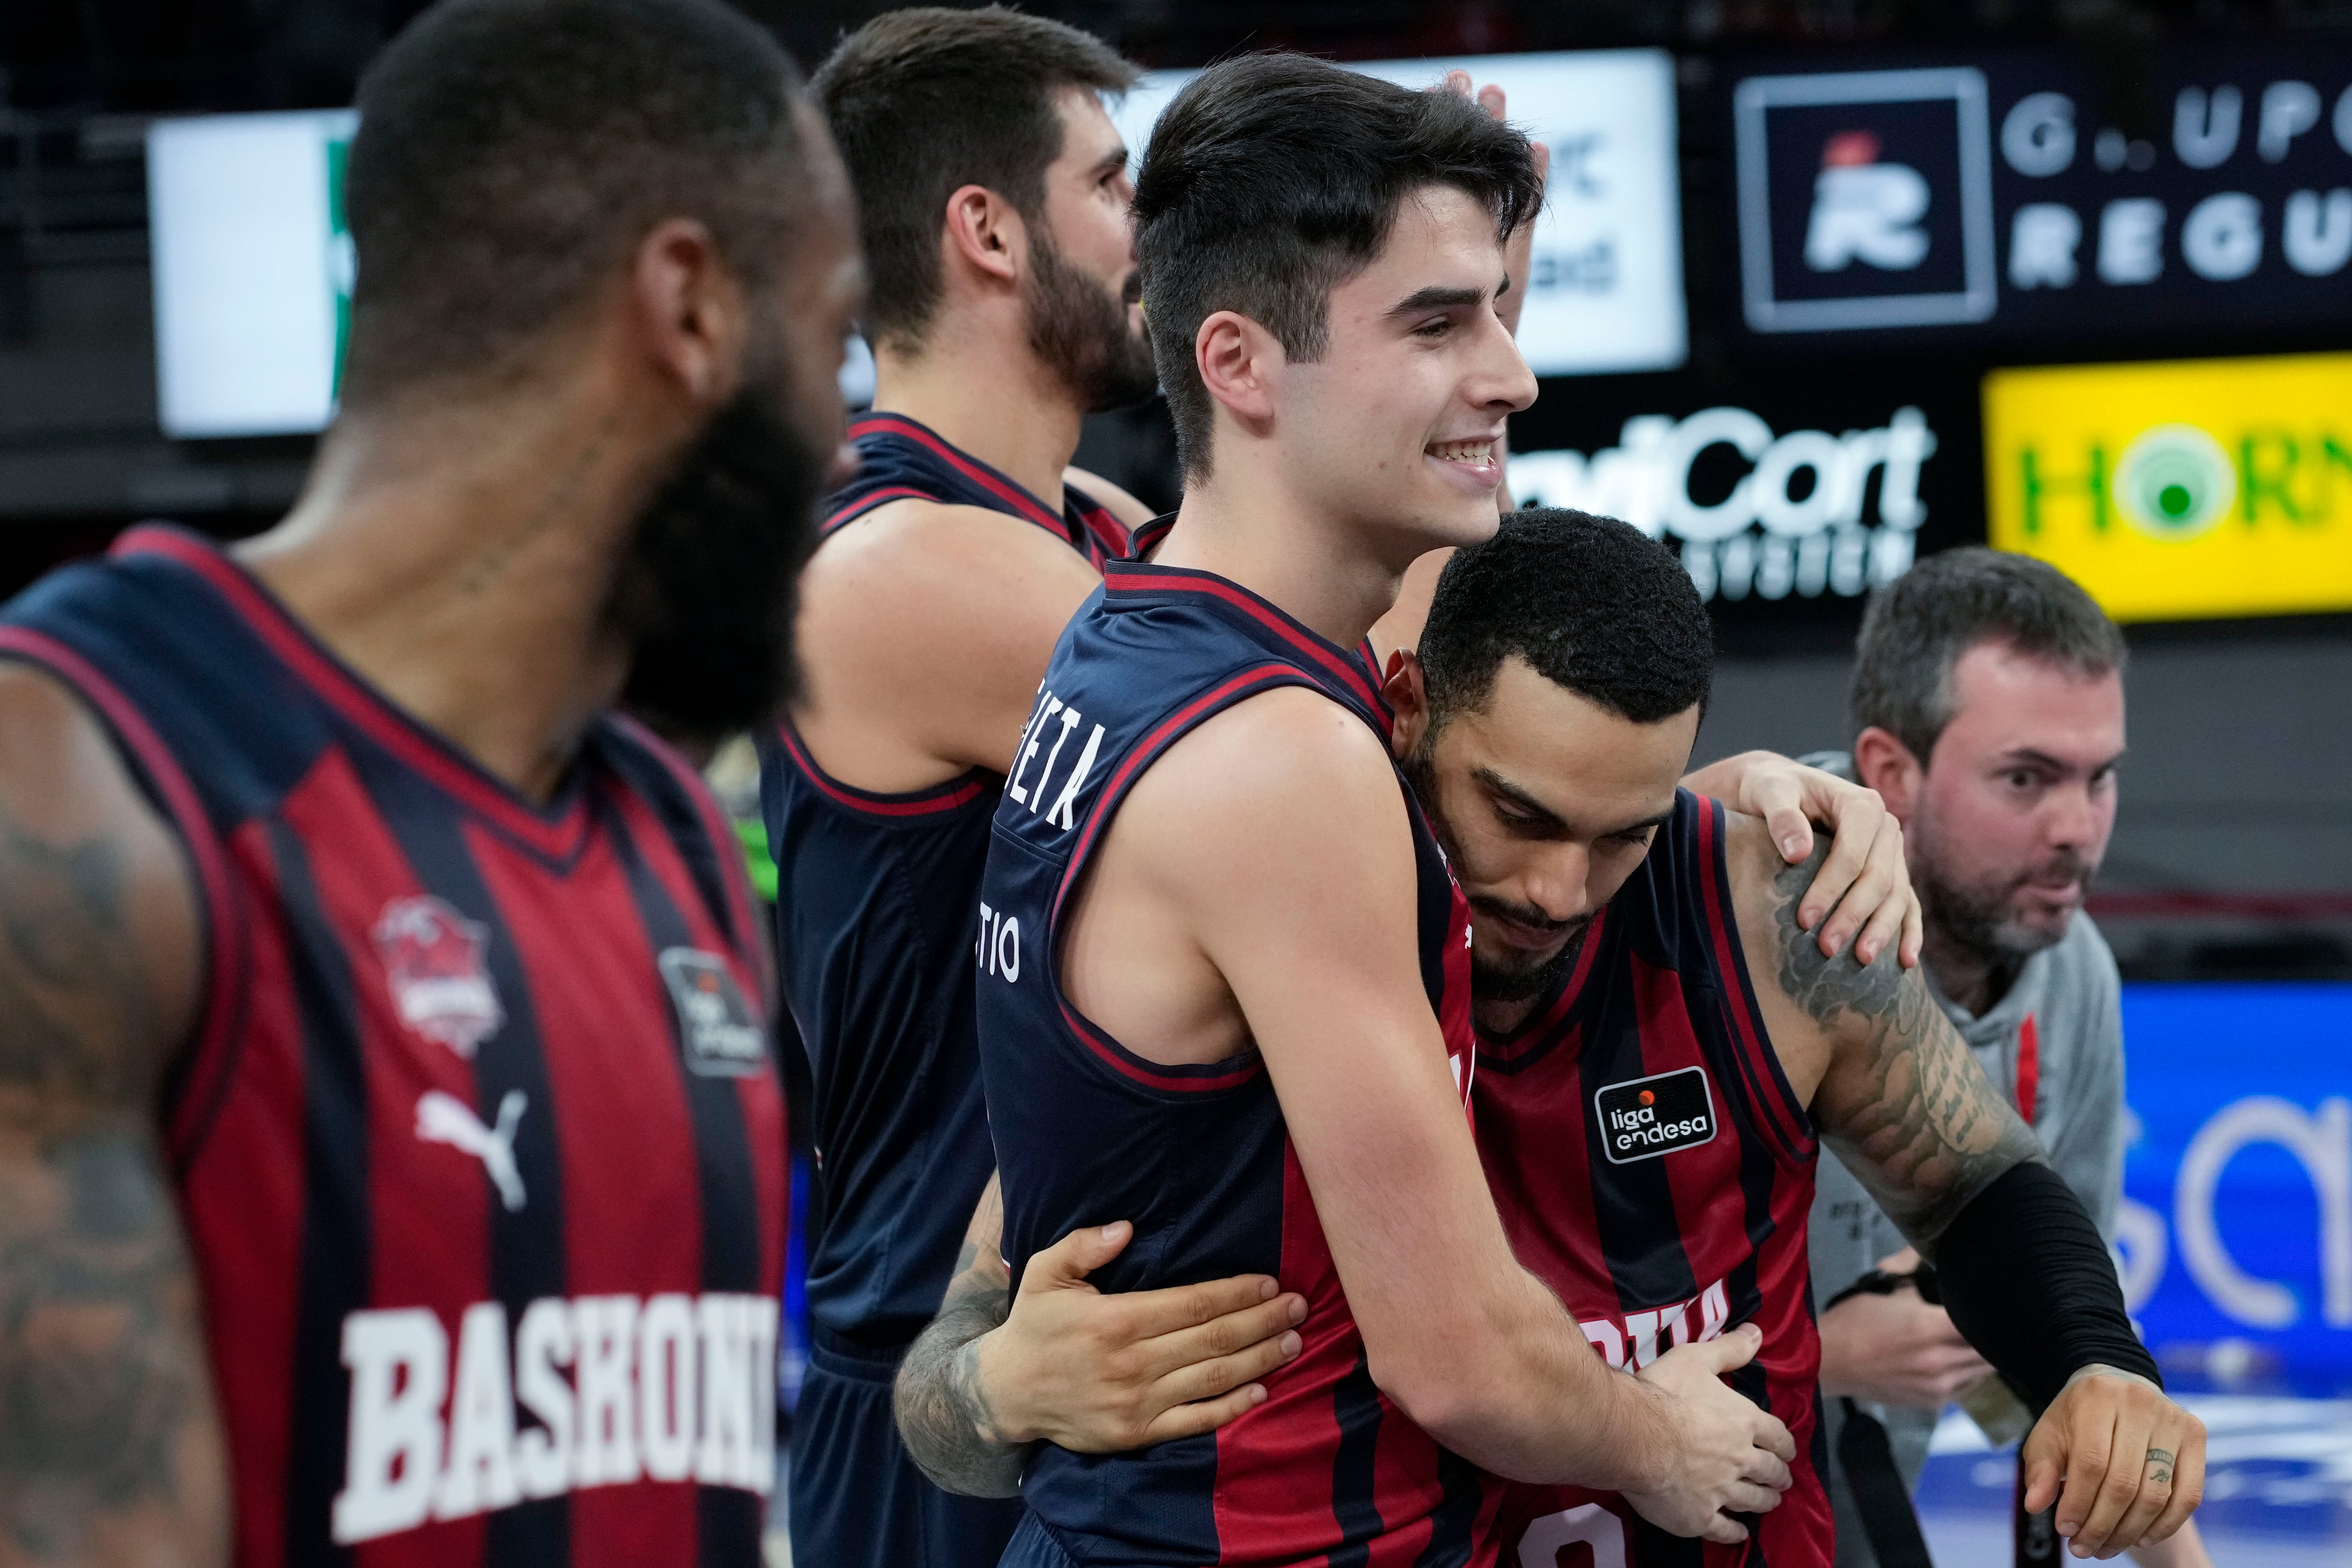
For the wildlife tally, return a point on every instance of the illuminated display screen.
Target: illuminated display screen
(2182, 489)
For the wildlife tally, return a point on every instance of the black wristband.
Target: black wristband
(2031, 1285)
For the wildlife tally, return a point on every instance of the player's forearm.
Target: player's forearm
(945, 1417)
(1517, 1390)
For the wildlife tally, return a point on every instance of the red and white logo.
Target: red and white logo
(440, 985)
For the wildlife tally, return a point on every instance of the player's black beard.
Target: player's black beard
(1492, 982)
(1079, 328)
(708, 591)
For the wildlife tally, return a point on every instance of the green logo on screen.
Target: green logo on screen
(2175, 482)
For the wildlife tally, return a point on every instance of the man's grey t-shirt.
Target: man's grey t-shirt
(2068, 998)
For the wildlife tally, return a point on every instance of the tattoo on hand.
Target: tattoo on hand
(2160, 1461)
(1926, 1130)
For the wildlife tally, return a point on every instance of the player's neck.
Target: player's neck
(1243, 522)
(467, 580)
(992, 400)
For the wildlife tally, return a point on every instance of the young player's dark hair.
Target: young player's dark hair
(512, 154)
(1593, 604)
(925, 101)
(1273, 178)
(1917, 627)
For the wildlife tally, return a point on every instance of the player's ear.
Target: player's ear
(1884, 764)
(980, 229)
(1238, 360)
(688, 309)
(1407, 690)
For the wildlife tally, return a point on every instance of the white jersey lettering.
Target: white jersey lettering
(675, 1389)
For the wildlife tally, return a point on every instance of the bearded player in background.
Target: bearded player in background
(388, 1141)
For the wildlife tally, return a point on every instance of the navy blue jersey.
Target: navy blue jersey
(479, 1145)
(1198, 1156)
(874, 909)
(1654, 1168)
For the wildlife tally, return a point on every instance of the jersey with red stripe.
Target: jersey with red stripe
(873, 921)
(1198, 1156)
(1654, 1168)
(479, 1146)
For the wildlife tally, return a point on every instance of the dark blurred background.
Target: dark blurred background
(2234, 854)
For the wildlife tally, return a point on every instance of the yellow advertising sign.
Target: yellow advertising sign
(2186, 488)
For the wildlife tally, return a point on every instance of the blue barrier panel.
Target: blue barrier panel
(2237, 1222)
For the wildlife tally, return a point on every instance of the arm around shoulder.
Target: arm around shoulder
(1305, 911)
(110, 1447)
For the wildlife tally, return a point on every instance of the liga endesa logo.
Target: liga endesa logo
(2188, 488)
(1646, 1117)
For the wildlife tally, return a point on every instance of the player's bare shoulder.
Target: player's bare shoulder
(923, 630)
(1282, 800)
(99, 937)
(913, 551)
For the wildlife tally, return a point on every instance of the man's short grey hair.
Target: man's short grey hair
(1917, 627)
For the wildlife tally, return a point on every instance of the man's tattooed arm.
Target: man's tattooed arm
(1900, 1097)
(943, 1412)
(110, 1448)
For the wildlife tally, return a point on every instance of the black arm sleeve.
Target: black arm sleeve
(2030, 1285)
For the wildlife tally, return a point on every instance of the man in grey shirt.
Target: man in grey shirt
(1988, 709)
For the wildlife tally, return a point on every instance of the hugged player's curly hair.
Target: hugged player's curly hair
(1592, 603)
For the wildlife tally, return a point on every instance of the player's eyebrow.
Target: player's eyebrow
(1436, 298)
(1114, 159)
(1517, 796)
(2027, 756)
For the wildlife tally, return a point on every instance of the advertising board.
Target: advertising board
(2237, 1224)
(2179, 489)
(1605, 281)
(1787, 497)
(2013, 195)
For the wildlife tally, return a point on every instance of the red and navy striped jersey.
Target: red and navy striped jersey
(1654, 1168)
(1198, 1156)
(874, 919)
(481, 1145)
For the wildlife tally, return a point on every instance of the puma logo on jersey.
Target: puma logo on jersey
(1063, 812)
(446, 1119)
(669, 1388)
(1643, 1118)
(1637, 1339)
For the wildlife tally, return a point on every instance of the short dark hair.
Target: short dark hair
(1593, 604)
(1917, 627)
(1273, 178)
(511, 153)
(926, 100)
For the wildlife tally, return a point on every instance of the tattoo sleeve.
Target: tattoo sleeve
(943, 1412)
(1904, 1101)
(107, 1441)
